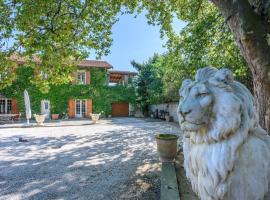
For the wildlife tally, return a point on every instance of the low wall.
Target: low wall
(168, 107)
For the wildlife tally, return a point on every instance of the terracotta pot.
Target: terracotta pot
(55, 116)
(94, 117)
(167, 147)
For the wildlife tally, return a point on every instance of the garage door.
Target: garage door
(120, 109)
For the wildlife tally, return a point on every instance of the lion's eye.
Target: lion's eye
(203, 94)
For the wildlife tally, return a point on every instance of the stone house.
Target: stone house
(78, 108)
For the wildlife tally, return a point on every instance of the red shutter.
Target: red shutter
(87, 77)
(89, 107)
(71, 108)
(14, 107)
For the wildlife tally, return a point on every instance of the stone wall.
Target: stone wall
(168, 107)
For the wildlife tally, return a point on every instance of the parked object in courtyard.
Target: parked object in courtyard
(22, 140)
(167, 117)
(27, 107)
(227, 154)
(55, 116)
(167, 147)
(40, 118)
(95, 117)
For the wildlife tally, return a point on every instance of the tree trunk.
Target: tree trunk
(252, 35)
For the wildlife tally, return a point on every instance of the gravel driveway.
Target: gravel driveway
(115, 159)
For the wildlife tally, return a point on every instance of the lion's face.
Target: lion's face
(195, 106)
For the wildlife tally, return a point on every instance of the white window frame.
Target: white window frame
(6, 105)
(81, 113)
(44, 110)
(80, 80)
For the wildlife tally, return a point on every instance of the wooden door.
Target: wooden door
(120, 109)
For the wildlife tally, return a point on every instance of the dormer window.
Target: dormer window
(81, 77)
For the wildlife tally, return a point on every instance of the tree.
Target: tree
(147, 84)
(250, 25)
(249, 22)
(58, 31)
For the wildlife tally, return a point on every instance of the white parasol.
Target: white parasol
(27, 106)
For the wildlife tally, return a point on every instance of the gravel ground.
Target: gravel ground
(114, 159)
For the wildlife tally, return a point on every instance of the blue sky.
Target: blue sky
(134, 39)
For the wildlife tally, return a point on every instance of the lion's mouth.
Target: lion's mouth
(191, 126)
(194, 123)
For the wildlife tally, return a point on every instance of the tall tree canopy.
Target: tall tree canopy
(63, 31)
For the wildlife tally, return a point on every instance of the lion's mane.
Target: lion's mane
(216, 156)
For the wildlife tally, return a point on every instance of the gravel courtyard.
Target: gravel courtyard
(114, 159)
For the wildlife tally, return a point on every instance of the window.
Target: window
(80, 108)
(46, 105)
(5, 106)
(81, 77)
(83, 107)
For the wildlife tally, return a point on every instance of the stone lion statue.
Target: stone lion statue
(226, 152)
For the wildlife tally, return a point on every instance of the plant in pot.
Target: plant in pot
(55, 114)
(167, 147)
(39, 119)
(95, 116)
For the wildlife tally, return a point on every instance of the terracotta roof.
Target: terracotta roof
(83, 63)
(95, 63)
(122, 72)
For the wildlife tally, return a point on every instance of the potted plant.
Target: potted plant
(95, 117)
(167, 147)
(40, 119)
(55, 115)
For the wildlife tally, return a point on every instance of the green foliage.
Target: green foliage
(63, 32)
(147, 84)
(59, 95)
(57, 31)
(166, 136)
(205, 41)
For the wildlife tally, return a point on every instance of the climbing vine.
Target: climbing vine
(59, 95)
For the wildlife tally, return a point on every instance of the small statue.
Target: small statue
(226, 152)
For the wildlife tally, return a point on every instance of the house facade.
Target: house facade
(77, 107)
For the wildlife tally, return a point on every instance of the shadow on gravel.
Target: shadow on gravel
(112, 165)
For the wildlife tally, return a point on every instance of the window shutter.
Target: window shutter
(87, 74)
(89, 107)
(14, 107)
(71, 108)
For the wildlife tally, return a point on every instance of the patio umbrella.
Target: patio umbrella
(27, 106)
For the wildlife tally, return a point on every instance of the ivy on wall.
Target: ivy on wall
(59, 95)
